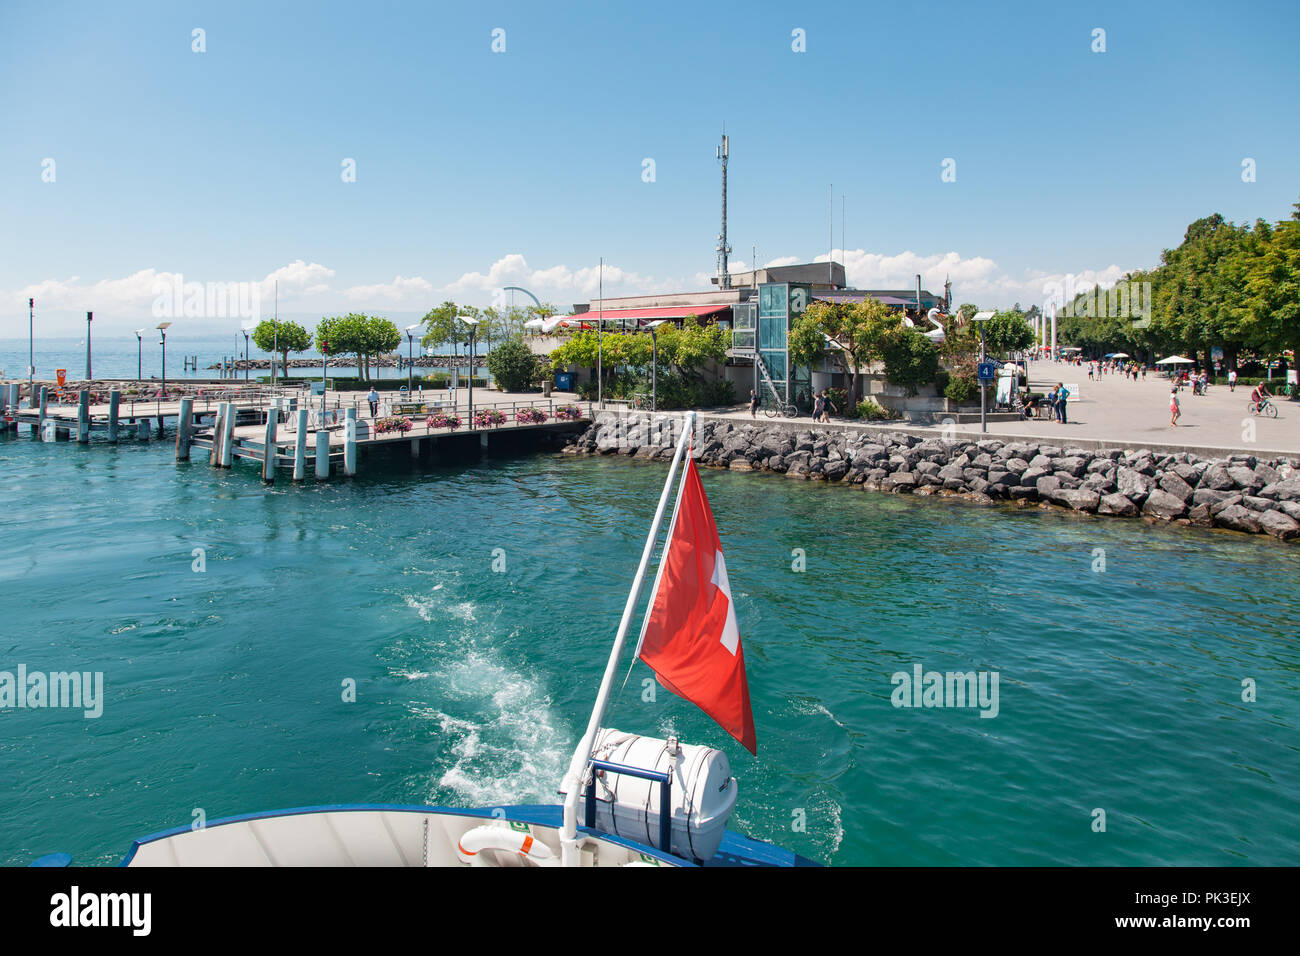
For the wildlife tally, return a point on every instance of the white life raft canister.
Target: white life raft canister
(703, 793)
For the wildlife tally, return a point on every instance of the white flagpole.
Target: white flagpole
(578, 765)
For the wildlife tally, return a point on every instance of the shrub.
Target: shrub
(870, 410)
(911, 359)
(587, 391)
(941, 380)
(961, 390)
(443, 420)
(513, 365)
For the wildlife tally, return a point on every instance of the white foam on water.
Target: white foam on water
(494, 719)
(808, 708)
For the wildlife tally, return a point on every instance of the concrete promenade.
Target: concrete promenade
(1115, 412)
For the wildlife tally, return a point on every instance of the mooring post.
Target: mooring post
(142, 429)
(322, 454)
(45, 397)
(350, 442)
(83, 416)
(268, 450)
(218, 426)
(300, 447)
(114, 405)
(228, 435)
(185, 430)
(415, 449)
(483, 441)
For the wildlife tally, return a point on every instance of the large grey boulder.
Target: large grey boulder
(1136, 484)
(1216, 477)
(1245, 478)
(1238, 519)
(1080, 499)
(1047, 484)
(1279, 525)
(1287, 489)
(1161, 504)
(1177, 487)
(1117, 504)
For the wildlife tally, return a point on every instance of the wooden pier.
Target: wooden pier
(283, 429)
(307, 441)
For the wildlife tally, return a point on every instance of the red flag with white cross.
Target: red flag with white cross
(691, 638)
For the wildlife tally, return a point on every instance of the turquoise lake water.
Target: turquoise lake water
(1118, 690)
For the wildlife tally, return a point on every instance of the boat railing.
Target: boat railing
(661, 777)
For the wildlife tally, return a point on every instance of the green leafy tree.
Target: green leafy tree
(851, 334)
(911, 360)
(379, 336)
(513, 365)
(1272, 315)
(342, 334)
(281, 337)
(440, 325)
(1007, 332)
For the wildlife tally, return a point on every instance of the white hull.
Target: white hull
(343, 836)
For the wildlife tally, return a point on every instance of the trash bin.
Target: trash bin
(564, 381)
(546, 388)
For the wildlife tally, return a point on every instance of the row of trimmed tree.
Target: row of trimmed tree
(1228, 286)
(369, 336)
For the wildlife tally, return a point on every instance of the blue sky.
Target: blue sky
(477, 169)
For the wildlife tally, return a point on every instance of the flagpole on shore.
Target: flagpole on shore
(578, 765)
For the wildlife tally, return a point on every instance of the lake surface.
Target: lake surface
(1119, 689)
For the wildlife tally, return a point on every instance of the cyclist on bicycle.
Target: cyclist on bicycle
(1258, 396)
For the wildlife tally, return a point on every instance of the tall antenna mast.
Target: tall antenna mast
(830, 224)
(724, 278)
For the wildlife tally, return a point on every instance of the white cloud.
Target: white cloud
(558, 283)
(976, 279)
(414, 291)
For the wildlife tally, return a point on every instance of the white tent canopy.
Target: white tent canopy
(1175, 360)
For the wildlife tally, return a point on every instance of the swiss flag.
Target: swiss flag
(691, 639)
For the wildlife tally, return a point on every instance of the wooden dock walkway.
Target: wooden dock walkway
(277, 428)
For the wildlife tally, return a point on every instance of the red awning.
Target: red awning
(634, 317)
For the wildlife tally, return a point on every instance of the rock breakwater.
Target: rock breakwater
(1240, 492)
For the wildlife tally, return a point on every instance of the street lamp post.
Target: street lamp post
(246, 353)
(162, 395)
(654, 363)
(324, 376)
(89, 316)
(31, 352)
(410, 358)
(981, 318)
(139, 354)
(162, 332)
(473, 329)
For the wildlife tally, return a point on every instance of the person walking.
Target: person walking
(819, 406)
(1061, 395)
(372, 397)
(1174, 409)
(753, 403)
(827, 405)
(1232, 380)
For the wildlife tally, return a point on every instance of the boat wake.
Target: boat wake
(495, 726)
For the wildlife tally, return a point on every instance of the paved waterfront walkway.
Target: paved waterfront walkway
(1120, 411)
